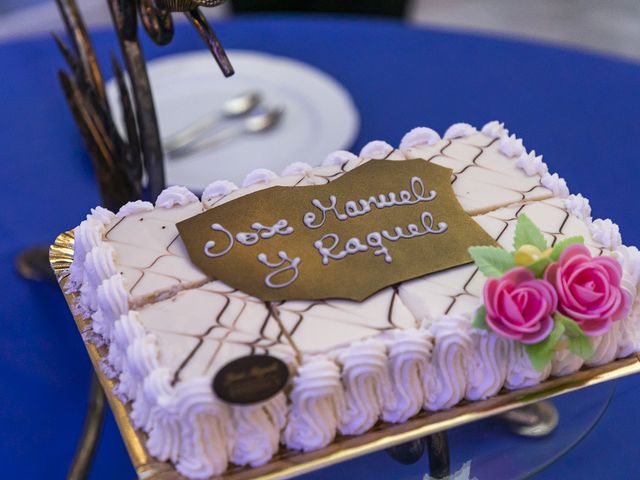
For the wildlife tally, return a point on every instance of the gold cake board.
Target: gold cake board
(286, 463)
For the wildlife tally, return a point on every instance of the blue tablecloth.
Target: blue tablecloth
(580, 110)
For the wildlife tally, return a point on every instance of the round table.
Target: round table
(580, 110)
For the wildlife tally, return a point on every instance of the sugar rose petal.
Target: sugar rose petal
(589, 289)
(519, 306)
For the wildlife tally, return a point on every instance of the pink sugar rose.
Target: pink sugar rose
(589, 289)
(519, 306)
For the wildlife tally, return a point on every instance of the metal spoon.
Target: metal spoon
(258, 123)
(235, 107)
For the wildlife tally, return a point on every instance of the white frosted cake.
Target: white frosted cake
(423, 344)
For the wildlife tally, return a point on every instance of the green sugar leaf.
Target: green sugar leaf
(559, 247)
(528, 234)
(579, 343)
(480, 318)
(492, 261)
(541, 353)
(539, 267)
(581, 346)
(571, 327)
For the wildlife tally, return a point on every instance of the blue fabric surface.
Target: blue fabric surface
(580, 110)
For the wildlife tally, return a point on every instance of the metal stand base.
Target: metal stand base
(535, 420)
(91, 430)
(439, 457)
(437, 446)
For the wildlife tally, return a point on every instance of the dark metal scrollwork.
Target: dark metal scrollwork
(123, 160)
(188, 5)
(156, 20)
(198, 20)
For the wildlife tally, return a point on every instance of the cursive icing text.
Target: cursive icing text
(327, 246)
(357, 208)
(260, 232)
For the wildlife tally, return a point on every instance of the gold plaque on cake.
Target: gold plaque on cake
(378, 225)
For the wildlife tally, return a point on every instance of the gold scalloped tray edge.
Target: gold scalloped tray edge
(287, 464)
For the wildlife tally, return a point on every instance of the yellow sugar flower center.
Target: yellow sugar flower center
(529, 254)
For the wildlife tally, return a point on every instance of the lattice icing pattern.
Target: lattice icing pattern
(142, 244)
(142, 247)
(321, 326)
(169, 328)
(459, 289)
(484, 176)
(221, 324)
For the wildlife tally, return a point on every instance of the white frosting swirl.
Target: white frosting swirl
(257, 431)
(564, 362)
(297, 168)
(494, 129)
(87, 236)
(131, 208)
(129, 387)
(629, 259)
(487, 364)
(217, 190)
(376, 149)
(459, 130)
(205, 428)
(419, 136)
(317, 403)
(157, 384)
(409, 352)
(629, 332)
(511, 146)
(259, 175)
(126, 329)
(338, 158)
(112, 301)
(102, 215)
(140, 361)
(142, 356)
(88, 300)
(578, 206)
(605, 348)
(532, 164)
(521, 373)
(556, 184)
(628, 328)
(100, 264)
(445, 379)
(606, 233)
(175, 195)
(366, 384)
(162, 425)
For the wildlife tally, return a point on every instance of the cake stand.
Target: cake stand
(487, 449)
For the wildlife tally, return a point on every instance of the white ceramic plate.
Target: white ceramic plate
(320, 116)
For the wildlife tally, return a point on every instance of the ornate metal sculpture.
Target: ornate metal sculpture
(123, 161)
